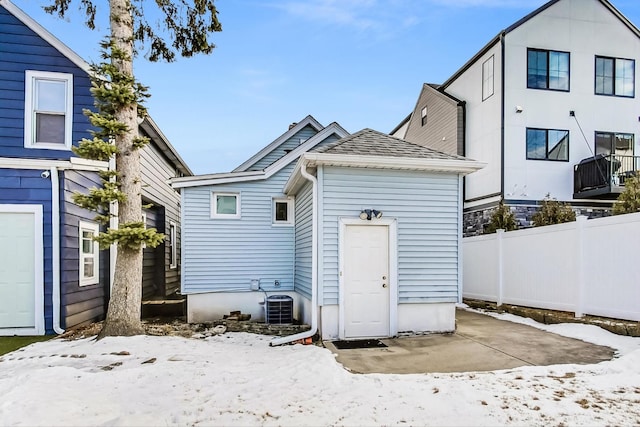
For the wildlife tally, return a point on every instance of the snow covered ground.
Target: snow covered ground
(237, 379)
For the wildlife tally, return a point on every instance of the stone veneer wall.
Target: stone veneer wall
(475, 221)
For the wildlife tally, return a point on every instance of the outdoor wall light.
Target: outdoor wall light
(370, 213)
(518, 109)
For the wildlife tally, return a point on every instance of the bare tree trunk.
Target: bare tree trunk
(123, 315)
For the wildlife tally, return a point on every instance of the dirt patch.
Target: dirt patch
(549, 317)
(178, 327)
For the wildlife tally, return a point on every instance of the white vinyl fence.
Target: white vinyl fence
(586, 267)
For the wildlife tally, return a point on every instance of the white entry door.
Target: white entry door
(20, 270)
(366, 281)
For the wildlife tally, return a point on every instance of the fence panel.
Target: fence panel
(612, 267)
(539, 267)
(588, 267)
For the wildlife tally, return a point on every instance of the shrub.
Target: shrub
(553, 212)
(501, 218)
(629, 199)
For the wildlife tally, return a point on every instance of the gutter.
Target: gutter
(314, 266)
(55, 248)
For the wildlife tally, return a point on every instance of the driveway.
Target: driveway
(480, 343)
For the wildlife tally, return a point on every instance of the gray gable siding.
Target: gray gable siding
(426, 207)
(226, 254)
(303, 251)
(21, 49)
(291, 143)
(443, 130)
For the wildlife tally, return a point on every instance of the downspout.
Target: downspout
(314, 265)
(502, 112)
(55, 248)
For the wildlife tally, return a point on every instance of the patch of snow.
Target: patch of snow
(237, 379)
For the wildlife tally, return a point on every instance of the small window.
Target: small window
(615, 76)
(487, 78)
(48, 110)
(423, 115)
(173, 245)
(225, 205)
(89, 254)
(548, 144)
(283, 211)
(548, 69)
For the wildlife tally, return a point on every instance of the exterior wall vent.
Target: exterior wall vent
(279, 309)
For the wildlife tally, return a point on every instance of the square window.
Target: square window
(548, 144)
(548, 69)
(89, 254)
(48, 110)
(283, 211)
(615, 77)
(225, 205)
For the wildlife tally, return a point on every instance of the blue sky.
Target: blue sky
(360, 63)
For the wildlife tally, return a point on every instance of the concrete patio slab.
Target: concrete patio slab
(480, 343)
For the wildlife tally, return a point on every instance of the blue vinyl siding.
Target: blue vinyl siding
(303, 251)
(278, 152)
(225, 254)
(80, 304)
(21, 49)
(27, 187)
(426, 208)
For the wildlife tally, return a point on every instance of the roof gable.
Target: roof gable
(610, 7)
(251, 175)
(372, 149)
(278, 142)
(45, 35)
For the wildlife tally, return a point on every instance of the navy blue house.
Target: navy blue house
(52, 274)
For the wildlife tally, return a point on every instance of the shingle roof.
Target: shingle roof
(368, 142)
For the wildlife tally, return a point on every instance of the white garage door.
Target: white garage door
(21, 284)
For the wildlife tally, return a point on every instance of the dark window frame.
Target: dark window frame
(613, 136)
(424, 112)
(548, 52)
(613, 83)
(546, 158)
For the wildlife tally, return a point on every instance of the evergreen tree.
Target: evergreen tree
(629, 199)
(553, 212)
(184, 29)
(501, 219)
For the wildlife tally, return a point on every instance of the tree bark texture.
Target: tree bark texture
(123, 315)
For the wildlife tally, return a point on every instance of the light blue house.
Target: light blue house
(362, 231)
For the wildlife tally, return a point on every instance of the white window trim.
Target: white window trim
(290, 211)
(173, 257)
(214, 206)
(29, 114)
(91, 226)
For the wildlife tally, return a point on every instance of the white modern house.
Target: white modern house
(549, 104)
(360, 233)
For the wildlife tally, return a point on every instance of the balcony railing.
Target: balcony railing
(603, 175)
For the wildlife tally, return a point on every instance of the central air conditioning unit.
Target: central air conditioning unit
(279, 309)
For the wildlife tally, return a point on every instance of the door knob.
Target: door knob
(384, 285)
